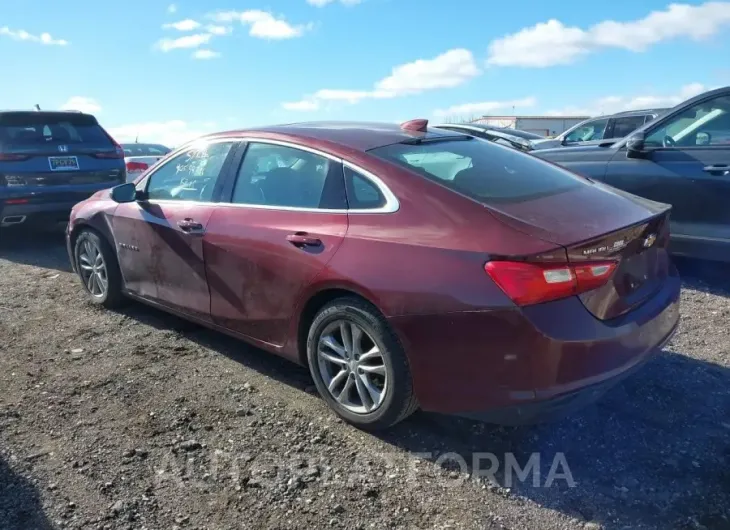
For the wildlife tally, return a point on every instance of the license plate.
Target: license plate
(63, 163)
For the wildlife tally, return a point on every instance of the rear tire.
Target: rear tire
(98, 269)
(359, 366)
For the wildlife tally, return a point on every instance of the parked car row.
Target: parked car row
(405, 265)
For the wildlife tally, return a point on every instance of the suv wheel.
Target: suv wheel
(359, 366)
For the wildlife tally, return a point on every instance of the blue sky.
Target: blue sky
(171, 71)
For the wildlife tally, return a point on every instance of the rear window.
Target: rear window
(36, 129)
(145, 150)
(484, 171)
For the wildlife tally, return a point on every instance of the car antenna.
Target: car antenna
(37, 107)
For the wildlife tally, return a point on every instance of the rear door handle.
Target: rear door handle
(724, 169)
(189, 226)
(301, 239)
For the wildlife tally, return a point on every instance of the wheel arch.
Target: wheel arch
(314, 300)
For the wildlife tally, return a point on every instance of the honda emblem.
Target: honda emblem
(63, 148)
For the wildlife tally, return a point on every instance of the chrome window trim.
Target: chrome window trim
(392, 204)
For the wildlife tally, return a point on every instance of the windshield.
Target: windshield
(38, 129)
(145, 150)
(482, 170)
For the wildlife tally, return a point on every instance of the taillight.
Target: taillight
(136, 166)
(532, 283)
(118, 153)
(12, 157)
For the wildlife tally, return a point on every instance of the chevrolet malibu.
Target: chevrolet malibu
(406, 266)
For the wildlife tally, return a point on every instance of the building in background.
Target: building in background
(542, 125)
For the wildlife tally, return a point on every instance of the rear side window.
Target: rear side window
(484, 171)
(625, 126)
(28, 130)
(280, 176)
(362, 193)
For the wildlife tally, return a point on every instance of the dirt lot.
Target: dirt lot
(136, 419)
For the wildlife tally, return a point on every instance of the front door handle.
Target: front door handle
(301, 239)
(722, 169)
(189, 226)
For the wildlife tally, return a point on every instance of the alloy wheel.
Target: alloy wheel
(93, 269)
(352, 367)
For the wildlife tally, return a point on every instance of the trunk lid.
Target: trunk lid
(596, 223)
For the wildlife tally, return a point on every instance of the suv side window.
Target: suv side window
(626, 125)
(281, 176)
(191, 175)
(703, 124)
(593, 130)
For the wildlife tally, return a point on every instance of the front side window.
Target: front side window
(191, 175)
(625, 126)
(593, 130)
(484, 171)
(703, 124)
(281, 176)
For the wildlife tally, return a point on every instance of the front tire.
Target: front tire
(98, 269)
(359, 366)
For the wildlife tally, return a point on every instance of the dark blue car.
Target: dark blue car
(681, 158)
(49, 161)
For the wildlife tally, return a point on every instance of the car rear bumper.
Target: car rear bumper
(509, 365)
(34, 213)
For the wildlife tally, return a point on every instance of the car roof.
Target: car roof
(43, 112)
(361, 136)
(638, 112)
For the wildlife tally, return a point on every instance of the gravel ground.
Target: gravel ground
(136, 419)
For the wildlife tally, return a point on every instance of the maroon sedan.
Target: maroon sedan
(406, 266)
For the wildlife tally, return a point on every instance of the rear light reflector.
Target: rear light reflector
(16, 201)
(118, 153)
(533, 283)
(136, 166)
(12, 157)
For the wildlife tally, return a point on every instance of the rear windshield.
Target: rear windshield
(36, 129)
(482, 170)
(144, 150)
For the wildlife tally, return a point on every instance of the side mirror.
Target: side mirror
(564, 140)
(124, 193)
(635, 145)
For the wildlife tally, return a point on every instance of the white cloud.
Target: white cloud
(22, 35)
(301, 106)
(84, 104)
(485, 107)
(612, 104)
(552, 43)
(218, 30)
(262, 24)
(189, 41)
(171, 133)
(183, 25)
(172, 8)
(448, 70)
(322, 3)
(205, 54)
